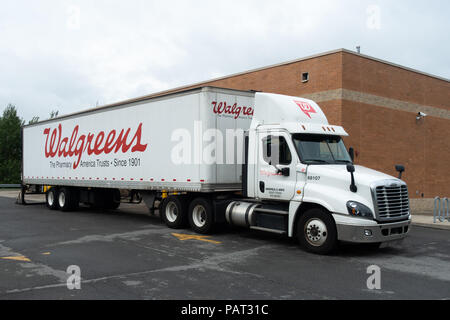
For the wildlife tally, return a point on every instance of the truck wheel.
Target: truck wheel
(51, 198)
(201, 216)
(316, 231)
(66, 199)
(173, 212)
(113, 197)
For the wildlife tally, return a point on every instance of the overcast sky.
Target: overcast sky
(71, 55)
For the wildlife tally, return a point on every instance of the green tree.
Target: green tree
(10, 146)
(34, 120)
(54, 114)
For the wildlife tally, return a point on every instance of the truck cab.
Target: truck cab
(300, 180)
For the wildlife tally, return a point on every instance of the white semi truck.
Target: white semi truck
(258, 160)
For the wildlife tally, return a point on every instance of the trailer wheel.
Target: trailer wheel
(173, 212)
(67, 199)
(51, 198)
(113, 199)
(316, 231)
(201, 216)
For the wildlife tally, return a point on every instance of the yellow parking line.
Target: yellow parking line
(17, 258)
(184, 237)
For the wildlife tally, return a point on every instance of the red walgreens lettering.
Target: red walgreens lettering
(223, 108)
(61, 147)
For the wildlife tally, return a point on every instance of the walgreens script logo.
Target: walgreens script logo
(306, 108)
(90, 143)
(224, 108)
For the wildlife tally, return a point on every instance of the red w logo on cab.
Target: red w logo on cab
(306, 108)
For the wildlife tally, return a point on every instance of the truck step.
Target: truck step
(272, 211)
(268, 230)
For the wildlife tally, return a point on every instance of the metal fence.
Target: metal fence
(441, 210)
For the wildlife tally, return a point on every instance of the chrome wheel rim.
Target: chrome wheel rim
(171, 212)
(316, 232)
(62, 199)
(199, 216)
(51, 198)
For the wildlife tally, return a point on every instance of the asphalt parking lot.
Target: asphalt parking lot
(129, 254)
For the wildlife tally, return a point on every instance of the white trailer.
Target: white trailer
(258, 160)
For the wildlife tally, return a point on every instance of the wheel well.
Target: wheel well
(305, 206)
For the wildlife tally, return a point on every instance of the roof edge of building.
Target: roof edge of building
(205, 82)
(395, 65)
(196, 84)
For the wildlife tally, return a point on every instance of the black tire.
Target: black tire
(316, 231)
(113, 199)
(51, 199)
(75, 199)
(201, 216)
(99, 200)
(66, 199)
(173, 212)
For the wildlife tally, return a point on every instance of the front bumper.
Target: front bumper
(359, 230)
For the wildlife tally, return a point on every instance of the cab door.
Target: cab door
(276, 168)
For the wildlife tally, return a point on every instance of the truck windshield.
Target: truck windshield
(321, 149)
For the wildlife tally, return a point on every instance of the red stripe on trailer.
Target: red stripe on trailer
(202, 180)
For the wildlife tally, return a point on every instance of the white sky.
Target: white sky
(70, 55)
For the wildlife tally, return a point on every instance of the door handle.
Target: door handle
(262, 186)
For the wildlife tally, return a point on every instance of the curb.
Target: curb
(439, 226)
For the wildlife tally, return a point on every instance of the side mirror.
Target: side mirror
(351, 169)
(400, 169)
(351, 152)
(285, 172)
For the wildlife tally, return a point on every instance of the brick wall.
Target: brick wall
(385, 136)
(371, 76)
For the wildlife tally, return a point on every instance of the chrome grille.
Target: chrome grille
(391, 201)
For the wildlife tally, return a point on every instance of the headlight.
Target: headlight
(359, 210)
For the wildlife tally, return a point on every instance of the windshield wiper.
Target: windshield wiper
(343, 161)
(317, 160)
